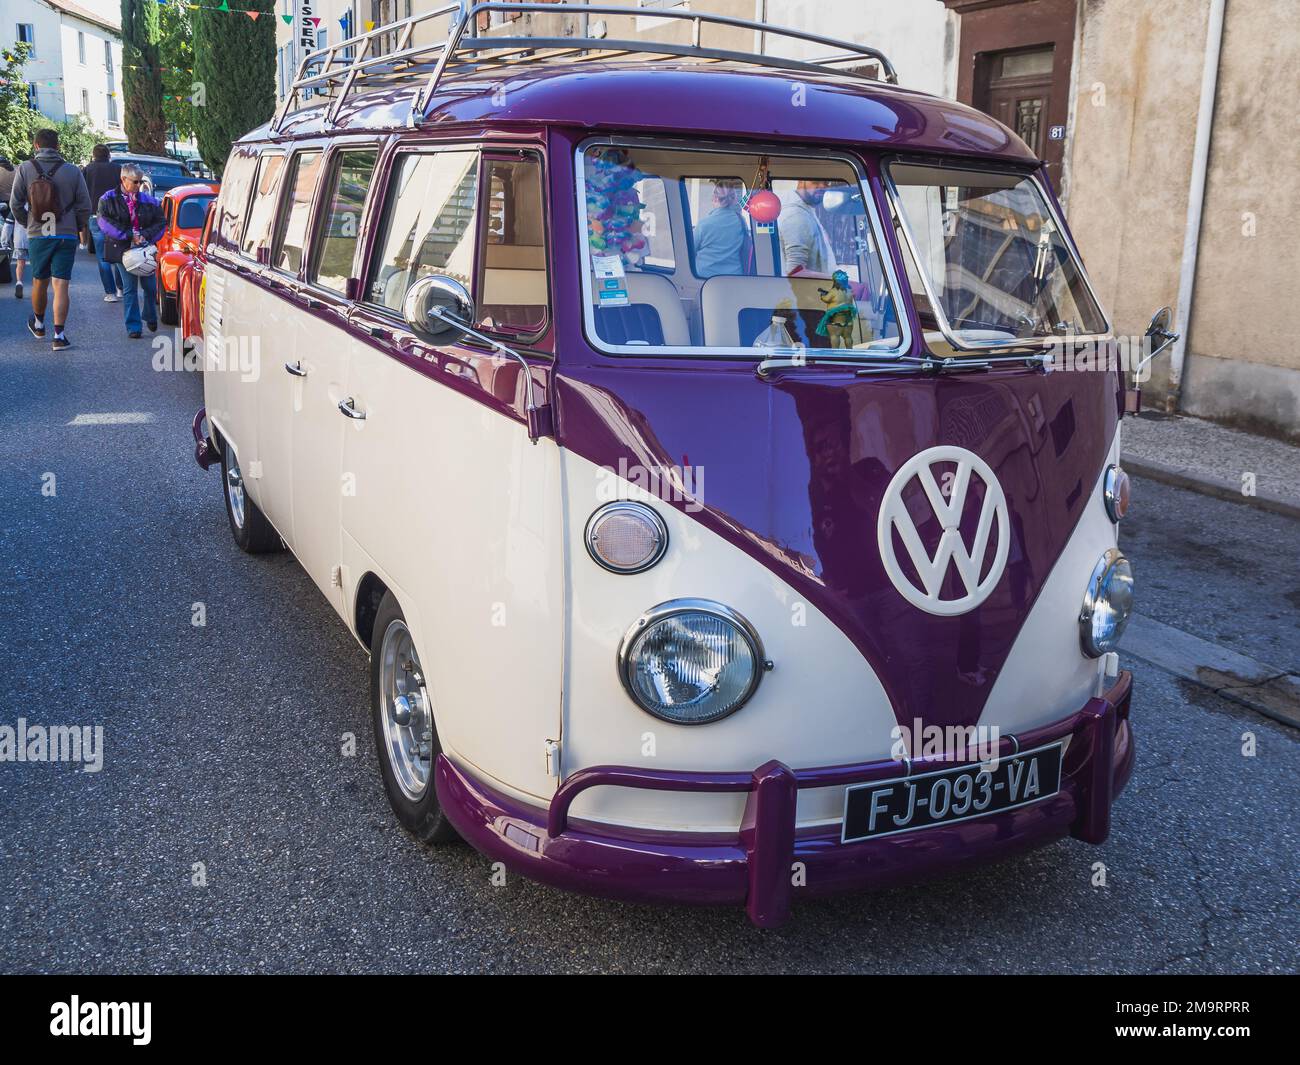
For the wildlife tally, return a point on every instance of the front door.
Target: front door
(1018, 93)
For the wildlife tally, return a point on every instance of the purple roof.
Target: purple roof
(685, 98)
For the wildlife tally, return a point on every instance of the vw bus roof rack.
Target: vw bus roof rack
(356, 63)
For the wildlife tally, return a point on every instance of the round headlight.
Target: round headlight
(691, 661)
(626, 537)
(1107, 604)
(1116, 490)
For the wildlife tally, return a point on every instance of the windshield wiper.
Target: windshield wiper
(862, 362)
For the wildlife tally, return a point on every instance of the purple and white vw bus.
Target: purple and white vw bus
(683, 433)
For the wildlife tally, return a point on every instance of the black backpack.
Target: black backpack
(43, 195)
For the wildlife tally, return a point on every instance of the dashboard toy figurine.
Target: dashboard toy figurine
(841, 311)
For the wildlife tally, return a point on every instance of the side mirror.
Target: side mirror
(438, 309)
(1159, 337)
(1158, 330)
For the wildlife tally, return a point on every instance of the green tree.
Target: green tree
(234, 71)
(177, 51)
(16, 118)
(142, 76)
(19, 123)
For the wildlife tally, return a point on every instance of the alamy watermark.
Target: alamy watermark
(53, 743)
(672, 484)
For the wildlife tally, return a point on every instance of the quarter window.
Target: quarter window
(513, 291)
(261, 213)
(337, 247)
(291, 237)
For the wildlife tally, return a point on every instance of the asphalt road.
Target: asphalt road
(222, 746)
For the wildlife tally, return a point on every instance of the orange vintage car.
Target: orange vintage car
(184, 210)
(189, 283)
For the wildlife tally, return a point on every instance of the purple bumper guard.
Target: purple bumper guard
(755, 866)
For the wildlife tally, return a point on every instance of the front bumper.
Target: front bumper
(756, 866)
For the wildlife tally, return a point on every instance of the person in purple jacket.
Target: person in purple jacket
(130, 218)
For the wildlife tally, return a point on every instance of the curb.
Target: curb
(1209, 486)
(1256, 685)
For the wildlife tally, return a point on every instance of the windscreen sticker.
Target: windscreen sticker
(611, 283)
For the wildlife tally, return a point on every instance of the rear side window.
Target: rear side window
(234, 198)
(337, 247)
(261, 212)
(429, 225)
(291, 235)
(192, 211)
(512, 292)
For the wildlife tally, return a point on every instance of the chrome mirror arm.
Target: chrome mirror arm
(1167, 338)
(530, 404)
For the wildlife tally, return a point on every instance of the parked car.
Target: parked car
(190, 286)
(161, 172)
(185, 209)
(687, 461)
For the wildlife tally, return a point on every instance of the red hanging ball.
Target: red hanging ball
(764, 206)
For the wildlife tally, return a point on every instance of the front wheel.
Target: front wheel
(405, 734)
(252, 532)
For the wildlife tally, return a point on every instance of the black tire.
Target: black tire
(6, 272)
(252, 532)
(421, 816)
(167, 312)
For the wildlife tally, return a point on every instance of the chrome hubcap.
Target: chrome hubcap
(235, 489)
(407, 713)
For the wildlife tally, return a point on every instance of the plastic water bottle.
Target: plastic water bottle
(776, 337)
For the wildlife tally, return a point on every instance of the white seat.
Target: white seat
(722, 299)
(651, 290)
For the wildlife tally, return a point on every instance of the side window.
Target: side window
(235, 184)
(656, 227)
(722, 238)
(261, 212)
(291, 233)
(168, 205)
(208, 219)
(512, 291)
(337, 244)
(428, 228)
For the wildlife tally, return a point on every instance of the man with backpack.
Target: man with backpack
(50, 197)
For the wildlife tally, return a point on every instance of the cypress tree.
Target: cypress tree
(234, 74)
(142, 77)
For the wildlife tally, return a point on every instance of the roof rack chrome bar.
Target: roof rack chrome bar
(462, 50)
(459, 20)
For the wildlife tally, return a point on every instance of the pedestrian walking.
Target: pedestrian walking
(132, 221)
(49, 197)
(102, 175)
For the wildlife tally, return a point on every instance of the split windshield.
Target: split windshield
(731, 253)
(988, 263)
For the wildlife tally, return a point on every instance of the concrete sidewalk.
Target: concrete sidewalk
(1214, 460)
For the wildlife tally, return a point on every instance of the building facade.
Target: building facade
(75, 67)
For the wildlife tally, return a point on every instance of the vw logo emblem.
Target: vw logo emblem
(948, 504)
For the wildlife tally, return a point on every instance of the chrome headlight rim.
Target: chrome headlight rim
(670, 608)
(1092, 597)
(632, 507)
(1110, 491)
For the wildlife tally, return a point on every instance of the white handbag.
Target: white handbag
(141, 260)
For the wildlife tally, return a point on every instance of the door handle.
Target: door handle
(346, 408)
(295, 368)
